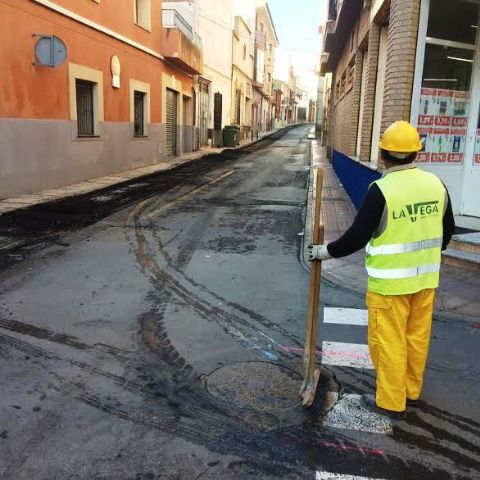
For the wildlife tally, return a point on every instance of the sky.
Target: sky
(297, 25)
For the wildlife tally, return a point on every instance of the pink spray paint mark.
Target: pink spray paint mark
(476, 325)
(349, 448)
(330, 353)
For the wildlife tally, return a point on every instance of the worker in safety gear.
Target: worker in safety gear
(404, 222)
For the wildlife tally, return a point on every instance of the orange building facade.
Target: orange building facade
(122, 98)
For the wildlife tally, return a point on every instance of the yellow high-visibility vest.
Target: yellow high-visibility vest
(406, 257)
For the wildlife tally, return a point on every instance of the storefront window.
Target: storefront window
(453, 20)
(447, 67)
(446, 80)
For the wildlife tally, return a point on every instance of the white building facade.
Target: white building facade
(216, 21)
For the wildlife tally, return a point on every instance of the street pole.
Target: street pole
(311, 371)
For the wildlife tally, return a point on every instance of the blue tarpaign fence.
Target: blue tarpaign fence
(355, 177)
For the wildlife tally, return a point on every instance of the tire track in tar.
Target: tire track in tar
(185, 288)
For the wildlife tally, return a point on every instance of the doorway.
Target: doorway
(171, 125)
(203, 95)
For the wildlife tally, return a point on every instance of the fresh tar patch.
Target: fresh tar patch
(349, 414)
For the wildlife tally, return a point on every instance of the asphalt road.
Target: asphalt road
(152, 331)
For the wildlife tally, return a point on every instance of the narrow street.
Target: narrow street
(154, 330)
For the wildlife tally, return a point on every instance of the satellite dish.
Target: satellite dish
(50, 51)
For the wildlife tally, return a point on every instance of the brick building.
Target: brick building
(412, 60)
(89, 89)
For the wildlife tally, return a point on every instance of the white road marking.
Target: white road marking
(349, 414)
(345, 316)
(339, 476)
(346, 355)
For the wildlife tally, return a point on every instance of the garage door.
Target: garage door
(171, 138)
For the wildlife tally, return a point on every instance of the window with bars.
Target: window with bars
(85, 108)
(139, 113)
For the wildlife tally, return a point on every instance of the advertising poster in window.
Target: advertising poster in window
(426, 135)
(440, 145)
(461, 106)
(442, 124)
(458, 137)
(428, 107)
(445, 103)
(477, 148)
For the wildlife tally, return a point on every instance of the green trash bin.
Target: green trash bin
(231, 136)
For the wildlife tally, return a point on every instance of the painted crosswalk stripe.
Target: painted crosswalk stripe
(345, 316)
(349, 414)
(339, 476)
(346, 355)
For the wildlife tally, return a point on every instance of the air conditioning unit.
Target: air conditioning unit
(324, 57)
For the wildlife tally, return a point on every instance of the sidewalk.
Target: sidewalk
(458, 294)
(87, 186)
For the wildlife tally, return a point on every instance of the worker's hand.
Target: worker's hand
(318, 252)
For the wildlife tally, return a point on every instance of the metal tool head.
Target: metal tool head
(309, 389)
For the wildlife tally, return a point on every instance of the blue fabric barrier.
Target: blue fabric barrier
(355, 177)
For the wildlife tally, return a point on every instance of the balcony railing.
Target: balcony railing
(334, 9)
(172, 19)
(181, 45)
(197, 40)
(330, 26)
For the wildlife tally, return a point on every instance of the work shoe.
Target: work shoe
(413, 403)
(368, 401)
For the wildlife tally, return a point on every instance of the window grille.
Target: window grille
(85, 113)
(139, 113)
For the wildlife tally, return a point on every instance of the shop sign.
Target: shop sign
(443, 121)
(459, 121)
(426, 120)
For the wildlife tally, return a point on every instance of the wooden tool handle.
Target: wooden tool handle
(311, 373)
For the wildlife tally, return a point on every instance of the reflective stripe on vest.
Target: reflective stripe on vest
(403, 247)
(398, 273)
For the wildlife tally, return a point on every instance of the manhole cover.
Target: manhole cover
(256, 385)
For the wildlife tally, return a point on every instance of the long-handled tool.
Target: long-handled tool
(311, 371)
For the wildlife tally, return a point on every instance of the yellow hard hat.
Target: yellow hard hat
(401, 137)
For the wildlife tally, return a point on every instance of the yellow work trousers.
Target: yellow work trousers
(398, 339)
